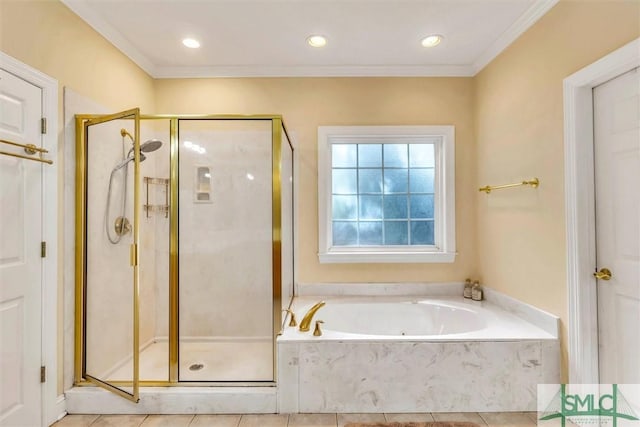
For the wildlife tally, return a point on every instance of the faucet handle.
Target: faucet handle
(317, 331)
(292, 321)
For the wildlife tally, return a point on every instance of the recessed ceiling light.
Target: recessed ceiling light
(191, 43)
(432, 40)
(317, 41)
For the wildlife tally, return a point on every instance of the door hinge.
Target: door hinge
(43, 374)
(43, 125)
(43, 249)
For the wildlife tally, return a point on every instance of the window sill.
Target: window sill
(385, 257)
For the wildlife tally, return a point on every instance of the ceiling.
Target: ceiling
(244, 38)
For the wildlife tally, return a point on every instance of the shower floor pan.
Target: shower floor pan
(204, 360)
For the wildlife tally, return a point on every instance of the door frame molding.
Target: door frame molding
(580, 207)
(52, 404)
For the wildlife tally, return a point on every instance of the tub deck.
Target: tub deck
(499, 324)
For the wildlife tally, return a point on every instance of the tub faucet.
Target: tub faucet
(305, 324)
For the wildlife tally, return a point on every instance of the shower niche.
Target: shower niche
(184, 247)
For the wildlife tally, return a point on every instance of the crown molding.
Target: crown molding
(526, 20)
(315, 71)
(113, 36)
(532, 15)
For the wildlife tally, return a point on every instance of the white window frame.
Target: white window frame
(444, 249)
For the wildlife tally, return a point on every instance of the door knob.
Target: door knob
(603, 274)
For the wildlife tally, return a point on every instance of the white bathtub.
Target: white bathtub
(413, 354)
(411, 319)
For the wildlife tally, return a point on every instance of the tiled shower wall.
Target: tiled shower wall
(226, 243)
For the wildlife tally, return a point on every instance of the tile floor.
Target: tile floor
(484, 419)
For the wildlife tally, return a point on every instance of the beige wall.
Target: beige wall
(49, 37)
(307, 103)
(519, 131)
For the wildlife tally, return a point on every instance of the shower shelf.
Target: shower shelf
(157, 208)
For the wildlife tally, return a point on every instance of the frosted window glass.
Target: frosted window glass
(345, 233)
(395, 181)
(395, 207)
(370, 207)
(383, 194)
(371, 233)
(370, 181)
(421, 156)
(421, 180)
(396, 233)
(396, 156)
(369, 155)
(422, 233)
(422, 207)
(344, 155)
(345, 207)
(344, 181)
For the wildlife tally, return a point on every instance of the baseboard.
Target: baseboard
(60, 410)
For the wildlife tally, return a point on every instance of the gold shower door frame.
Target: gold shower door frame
(278, 130)
(82, 137)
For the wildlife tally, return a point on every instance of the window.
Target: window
(386, 194)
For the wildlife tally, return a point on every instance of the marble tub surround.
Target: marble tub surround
(495, 367)
(531, 314)
(493, 419)
(415, 376)
(379, 289)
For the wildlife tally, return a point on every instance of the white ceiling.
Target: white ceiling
(268, 37)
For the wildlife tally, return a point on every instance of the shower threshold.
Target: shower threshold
(231, 376)
(175, 400)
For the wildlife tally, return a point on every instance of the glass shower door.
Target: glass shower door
(109, 210)
(225, 250)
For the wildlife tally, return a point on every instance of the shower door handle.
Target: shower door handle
(133, 255)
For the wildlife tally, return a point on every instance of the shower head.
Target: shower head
(145, 147)
(150, 145)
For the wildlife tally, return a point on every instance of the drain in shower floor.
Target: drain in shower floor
(196, 367)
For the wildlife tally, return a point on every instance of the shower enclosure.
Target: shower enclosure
(184, 248)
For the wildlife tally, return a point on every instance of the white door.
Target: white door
(616, 109)
(20, 255)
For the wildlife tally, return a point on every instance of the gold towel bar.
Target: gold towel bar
(534, 183)
(29, 149)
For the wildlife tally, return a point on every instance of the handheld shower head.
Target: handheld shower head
(126, 161)
(145, 147)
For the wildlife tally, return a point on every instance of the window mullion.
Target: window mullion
(358, 194)
(408, 223)
(382, 195)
